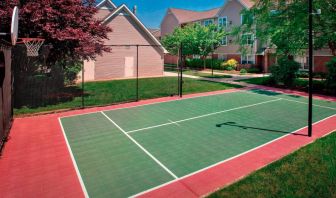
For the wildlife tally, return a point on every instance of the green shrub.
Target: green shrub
(331, 77)
(321, 75)
(302, 74)
(71, 69)
(285, 71)
(243, 71)
(305, 74)
(229, 68)
(199, 63)
(194, 63)
(253, 70)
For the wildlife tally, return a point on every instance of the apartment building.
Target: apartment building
(228, 16)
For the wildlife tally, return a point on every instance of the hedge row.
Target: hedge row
(199, 63)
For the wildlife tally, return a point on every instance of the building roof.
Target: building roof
(155, 32)
(185, 16)
(247, 3)
(124, 8)
(109, 2)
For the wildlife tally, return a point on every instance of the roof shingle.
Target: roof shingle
(185, 16)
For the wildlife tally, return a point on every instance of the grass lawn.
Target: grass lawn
(299, 84)
(309, 172)
(256, 81)
(110, 92)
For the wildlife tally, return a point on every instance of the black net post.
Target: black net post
(83, 87)
(137, 73)
(212, 69)
(310, 108)
(181, 72)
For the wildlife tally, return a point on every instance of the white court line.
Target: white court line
(74, 161)
(202, 116)
(223, 161)
(291, 100)
(174, 123)
(141, 147)
(179, 99)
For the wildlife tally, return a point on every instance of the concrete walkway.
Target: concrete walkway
(234, 80)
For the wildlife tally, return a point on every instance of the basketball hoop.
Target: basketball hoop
(33, 45)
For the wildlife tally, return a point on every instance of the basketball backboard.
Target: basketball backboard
(14, 27)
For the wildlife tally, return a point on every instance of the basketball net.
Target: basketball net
(33, 46)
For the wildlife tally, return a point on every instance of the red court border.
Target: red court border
(37, 163)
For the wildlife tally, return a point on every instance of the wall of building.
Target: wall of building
(168, 24)
(320, 63)
(121, 61)
(171, 59)
(232, 12)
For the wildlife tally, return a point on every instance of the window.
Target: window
(208, 22)
(223, 57)
(224, 41)
(248, 39)
(248, 59)
(244, 18)
(303, 60)
(222, 22)
(196, 57)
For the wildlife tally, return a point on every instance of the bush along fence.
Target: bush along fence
(128, 73)
(223, 65)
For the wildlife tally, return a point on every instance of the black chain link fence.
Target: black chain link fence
(127, 73)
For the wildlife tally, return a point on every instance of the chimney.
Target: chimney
(135, 10)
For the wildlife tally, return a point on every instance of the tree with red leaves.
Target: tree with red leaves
(69, 26)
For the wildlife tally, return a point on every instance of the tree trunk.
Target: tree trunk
(290, 57)
(332, 46)
(204, 62)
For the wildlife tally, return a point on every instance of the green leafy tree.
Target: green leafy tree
(285, 71)
(208, 39)
(331, 77)
(195, 40)
(284, 26)
(184, 37)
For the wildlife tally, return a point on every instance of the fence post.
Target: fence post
(181, 71)
(212, 69)
(137, 73)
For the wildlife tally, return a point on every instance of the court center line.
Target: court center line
(202, 116)
(141, 147)
(174, 123)
(292, 100)
(86, 194)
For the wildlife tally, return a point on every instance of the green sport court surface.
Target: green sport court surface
(123, 152)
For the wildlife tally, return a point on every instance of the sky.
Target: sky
(151, 12)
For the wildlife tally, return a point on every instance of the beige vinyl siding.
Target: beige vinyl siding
(103, 13)
(232, 11)
(112, 65)
(168, 24)
(125, 31)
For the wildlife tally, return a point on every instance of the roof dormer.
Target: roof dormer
(106, 5)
